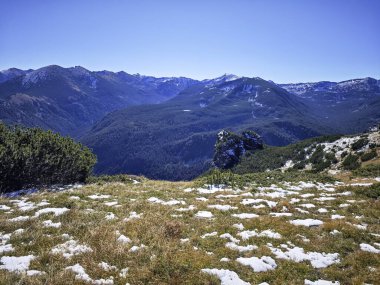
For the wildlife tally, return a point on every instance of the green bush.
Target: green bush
(33, 157)
(271, 157)
(372, 191)
(359, 143)
(371, 170)
(322, 165)
(221, 177)
(317, 156)
(330, 156)
(299, 165)
(369, 155)
(351, 162)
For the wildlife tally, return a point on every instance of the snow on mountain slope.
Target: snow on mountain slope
(358, 85)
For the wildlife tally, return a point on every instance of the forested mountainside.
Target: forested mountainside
(70, 100)
(178, 135)
(152, 126)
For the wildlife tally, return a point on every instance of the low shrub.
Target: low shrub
(33, 157)
(220, 177)
(372, 170)
(351, 162)
(369, 155)
(372, 191)
(359, 143)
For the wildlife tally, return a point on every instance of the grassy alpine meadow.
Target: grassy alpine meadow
(269, 229)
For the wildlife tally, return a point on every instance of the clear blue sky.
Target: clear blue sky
(283, 40)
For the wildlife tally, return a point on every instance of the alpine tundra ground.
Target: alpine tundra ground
(271, 231)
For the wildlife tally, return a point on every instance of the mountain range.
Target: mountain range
(70, 100)
(166, 128)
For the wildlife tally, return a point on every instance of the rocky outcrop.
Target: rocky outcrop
(230, 147)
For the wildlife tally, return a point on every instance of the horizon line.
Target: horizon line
(181, 76)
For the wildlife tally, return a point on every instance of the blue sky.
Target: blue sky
(283, 40)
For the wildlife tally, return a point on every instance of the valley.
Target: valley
(167, 124)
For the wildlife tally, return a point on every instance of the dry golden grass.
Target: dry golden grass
(167, 260)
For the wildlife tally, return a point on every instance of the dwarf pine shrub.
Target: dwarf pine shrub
(32, 157)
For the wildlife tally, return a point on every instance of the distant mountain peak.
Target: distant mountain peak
(221, 79)
(359, 84)
(35, 76)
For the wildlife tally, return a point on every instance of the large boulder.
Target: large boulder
(230, 147)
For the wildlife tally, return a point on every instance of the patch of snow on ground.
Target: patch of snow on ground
(257, 201)
(262, 264)
(97, 197)
(50, 224)
(267, 233)
(245, 216)
(226, 277)
(369, 248)
(167, 203)
(204, 214)
(209, 235)
(110, 204)
(307, 222)
(212, 189)
(123, 272)
(124, 239)
(136, 248)
(322, 210)
(55, 211)
(16, 263)
(105, 266)
(240, 248)
(110, 216)
(308, 206)
(281, 214)
(222, 207)
(203, 199)
(133, 216)
(230, 237)
(70, 248)
(80, 274)
(19, 219)
(5, 238)
(361, 184)
(6, 248)
(190, 208)
(34, 272)
(337, 217)
(24, 205)
(74, 198)
(4, 208)
(322, 199)
(297, 254)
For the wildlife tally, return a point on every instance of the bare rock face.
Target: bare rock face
(230, 147)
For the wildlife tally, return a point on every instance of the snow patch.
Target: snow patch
(226, 277)
(70, 248)
(262, 264)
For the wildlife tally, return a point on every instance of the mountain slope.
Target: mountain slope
(330, 153)
(69, 100)
(179, 134)
(346, 106)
